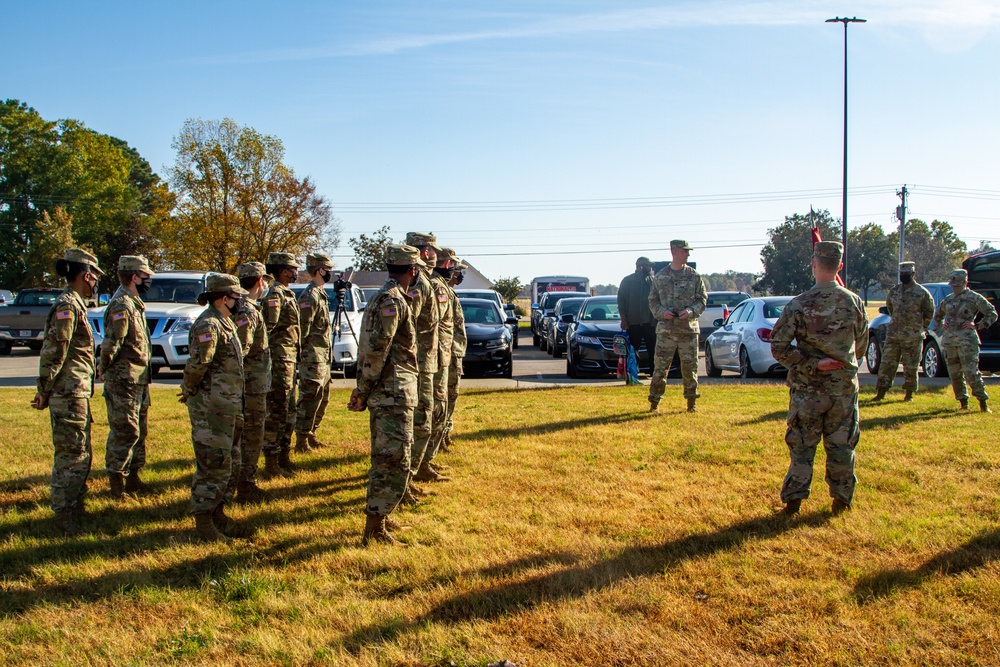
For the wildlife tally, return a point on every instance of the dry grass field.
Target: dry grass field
(578, 530)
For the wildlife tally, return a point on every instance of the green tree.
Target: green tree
(935, 248)
(369, 251)
(872, 255)
(53, 235)
(787, 256)
(509, 288)
(984, 246)
(730, 281)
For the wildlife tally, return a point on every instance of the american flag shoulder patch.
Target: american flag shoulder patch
(206, 337)
(242, 322)
(304, 304)
(117, 316)
(413, 293)
(442, 298)
(389, 312)
(64, 314)
(272, 303)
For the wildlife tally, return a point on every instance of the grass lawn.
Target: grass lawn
(578, 530)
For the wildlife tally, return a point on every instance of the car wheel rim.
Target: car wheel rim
(872, 355)
(931, 362)
(744, 364)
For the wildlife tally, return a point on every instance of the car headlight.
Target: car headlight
(182, 324)
(496, 344)
(588, 340)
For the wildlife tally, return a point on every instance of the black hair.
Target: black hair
(206, 298)
(398, 269)
(248, 281)
(275, 269)
(70, 270)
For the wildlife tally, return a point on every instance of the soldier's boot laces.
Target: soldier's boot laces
(285, 463)
(301, 443)
(205, 530)
(839, 506)
(427, 474)
(792, 507)
(315, 442)
(248, 493)
(116, 483)
(691, 405)
(135, 485)
(909, 396)
(226, 524)
(375, 531)
(66, 522)
(963, 403)
(984, 406)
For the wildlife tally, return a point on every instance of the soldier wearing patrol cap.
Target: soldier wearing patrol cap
(212, 389)
(676, 298)
(281, 317)
(961, 316)
(911, 307)
(458, 347)
(252, 334)
(387, 387)
(316, 356)
(829, 329)
(124, 367)
(66, 383)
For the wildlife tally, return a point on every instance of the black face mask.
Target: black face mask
(238, 307)
(144, 286)
(460, 278)
(444, 273)
(328, 276)
(906, 278)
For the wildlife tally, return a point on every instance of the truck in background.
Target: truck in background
(543, 284)
(23, 321)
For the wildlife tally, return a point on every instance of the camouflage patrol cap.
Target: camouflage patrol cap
(829, 250)
(253, 270)
(223, 282)
(134, 263)
(420, 239)
(907, 267)
(403, 255)
(283, 259)
(958, 277)
(678, 244)
(318, 261)
(81, 256)
(446, 255)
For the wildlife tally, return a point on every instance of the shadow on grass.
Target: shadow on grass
(552, 427)
(498, 599)
(977, 552)
(889, 421)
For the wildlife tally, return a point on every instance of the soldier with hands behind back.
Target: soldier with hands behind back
(317, 349)
(911, 307)
(281, 317)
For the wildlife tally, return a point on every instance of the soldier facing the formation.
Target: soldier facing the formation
(124, 367)
(830, 330)
(281, 317)
(911, 307)
(316, 356)
(66, 383)
(387, 386)
(956, 316)
(677, 298)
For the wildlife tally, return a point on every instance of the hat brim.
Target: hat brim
(95, 269)
(237, 290)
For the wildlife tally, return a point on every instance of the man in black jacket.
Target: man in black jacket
(633, 305)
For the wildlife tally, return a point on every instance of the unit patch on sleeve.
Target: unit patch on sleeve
(64, 314)
(206, 337)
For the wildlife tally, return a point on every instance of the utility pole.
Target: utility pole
(901, 216)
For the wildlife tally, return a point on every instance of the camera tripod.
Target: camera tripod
(340, 288)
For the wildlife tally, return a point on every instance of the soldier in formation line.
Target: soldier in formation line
(458, 347)
(316, 354)
(911, 307)
(281, 317)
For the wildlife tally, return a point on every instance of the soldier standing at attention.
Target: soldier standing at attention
(66, 383)
(124, 367)
(911, 307)
(956, 317)
(252, 333)
(387, 386)
(426, 313)
(212, 389)
(281, 317)
(317, 351)
(676, 298)
(633, 305)
(458, 346)
(830, 330)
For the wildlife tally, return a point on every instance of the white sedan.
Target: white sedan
(743, 342)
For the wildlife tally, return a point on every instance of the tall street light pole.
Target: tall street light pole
(843, 218)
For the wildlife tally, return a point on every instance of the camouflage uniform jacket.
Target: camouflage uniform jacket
(677, 291)
(66, 363)
(460, 341)
(215, 367)
(281, 317)
(253, 344)
(911, 308)
(314, 322)
(423, 305)
(446, 319)
(956, 309)
(827, 321)
(125, 350)
(387, 351)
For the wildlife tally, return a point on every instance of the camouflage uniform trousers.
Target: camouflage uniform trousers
(71, 421)
(280, 418)
(423, 419)
(900, 351)
(834, 419)
(249, 439)
(314, 395)
(963, 366)
(686, 346)
(128, 407)
(216, 454)
(439, 414)
(392, 441)
(454, 384)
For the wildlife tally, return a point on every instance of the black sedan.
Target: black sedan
(489, 346)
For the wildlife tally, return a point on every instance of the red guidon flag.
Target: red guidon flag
(816, 239)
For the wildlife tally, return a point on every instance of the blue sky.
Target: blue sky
(602, 129)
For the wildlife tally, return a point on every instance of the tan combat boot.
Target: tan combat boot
(427, 474)
(117, 486)
(984, 406)
(792, 507)
(654, 406)
(446, 442)
(205, 530)
(963, 403)
(839, 507)
(248, 493)
(879, 394)
(908, 396)
(285, 462)
(135, 485)
(301, 443)
(226, 525)
(409, 499)
(272, 469)
(691, 406)
(375, 531)
(315, 442)
(66, 522)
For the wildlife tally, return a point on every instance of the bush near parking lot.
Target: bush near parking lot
(578, 530)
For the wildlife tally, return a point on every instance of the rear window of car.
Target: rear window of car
(725, 299)
(774, 310)
(481, 315)
(36, 298)
(601, 311)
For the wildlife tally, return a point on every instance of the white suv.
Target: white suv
(347, 331)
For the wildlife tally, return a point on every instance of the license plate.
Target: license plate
(24, 334)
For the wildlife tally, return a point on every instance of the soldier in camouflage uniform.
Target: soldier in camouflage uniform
(66, 383)
(830, 330)
(676, 298)
(911, 307)
(124, 367)
(387, 386)
(458, 347)
(252, 334)
(281, 317)
(213, 391)
(956, 317)
(317, 353)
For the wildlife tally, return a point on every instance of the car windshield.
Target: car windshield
(719, 300)
(571, 307)
(174, 290)
(601, 311)
(477, 314)
(773, 310)
(36, 298)
(553, 298)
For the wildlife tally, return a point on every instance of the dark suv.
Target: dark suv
(544, 308)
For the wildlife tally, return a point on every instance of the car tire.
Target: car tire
(508, 368)
(5, 350)
(570, 368)
(933, 362)
(746, 370)
(543, 343)
(154, 371)
(556, 351)
(514, 342)
(710, 367)
(535, 340)
(351, 371)
(873, 356)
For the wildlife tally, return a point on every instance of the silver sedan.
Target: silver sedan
(743, 342)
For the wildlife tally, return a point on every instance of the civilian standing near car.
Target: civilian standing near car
(316, 356)
(956, 317)
(65, 384)
(829, 329)
(633, 307)
(459, 343)
(252, 334)
(676, 298)
(387, 387)
(911, 308)
(281, 317)
(429, 471)
(124, 367)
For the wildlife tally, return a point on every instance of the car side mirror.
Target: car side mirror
(512, 320)
(568, 317)
(103, 299)
(718, 323)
